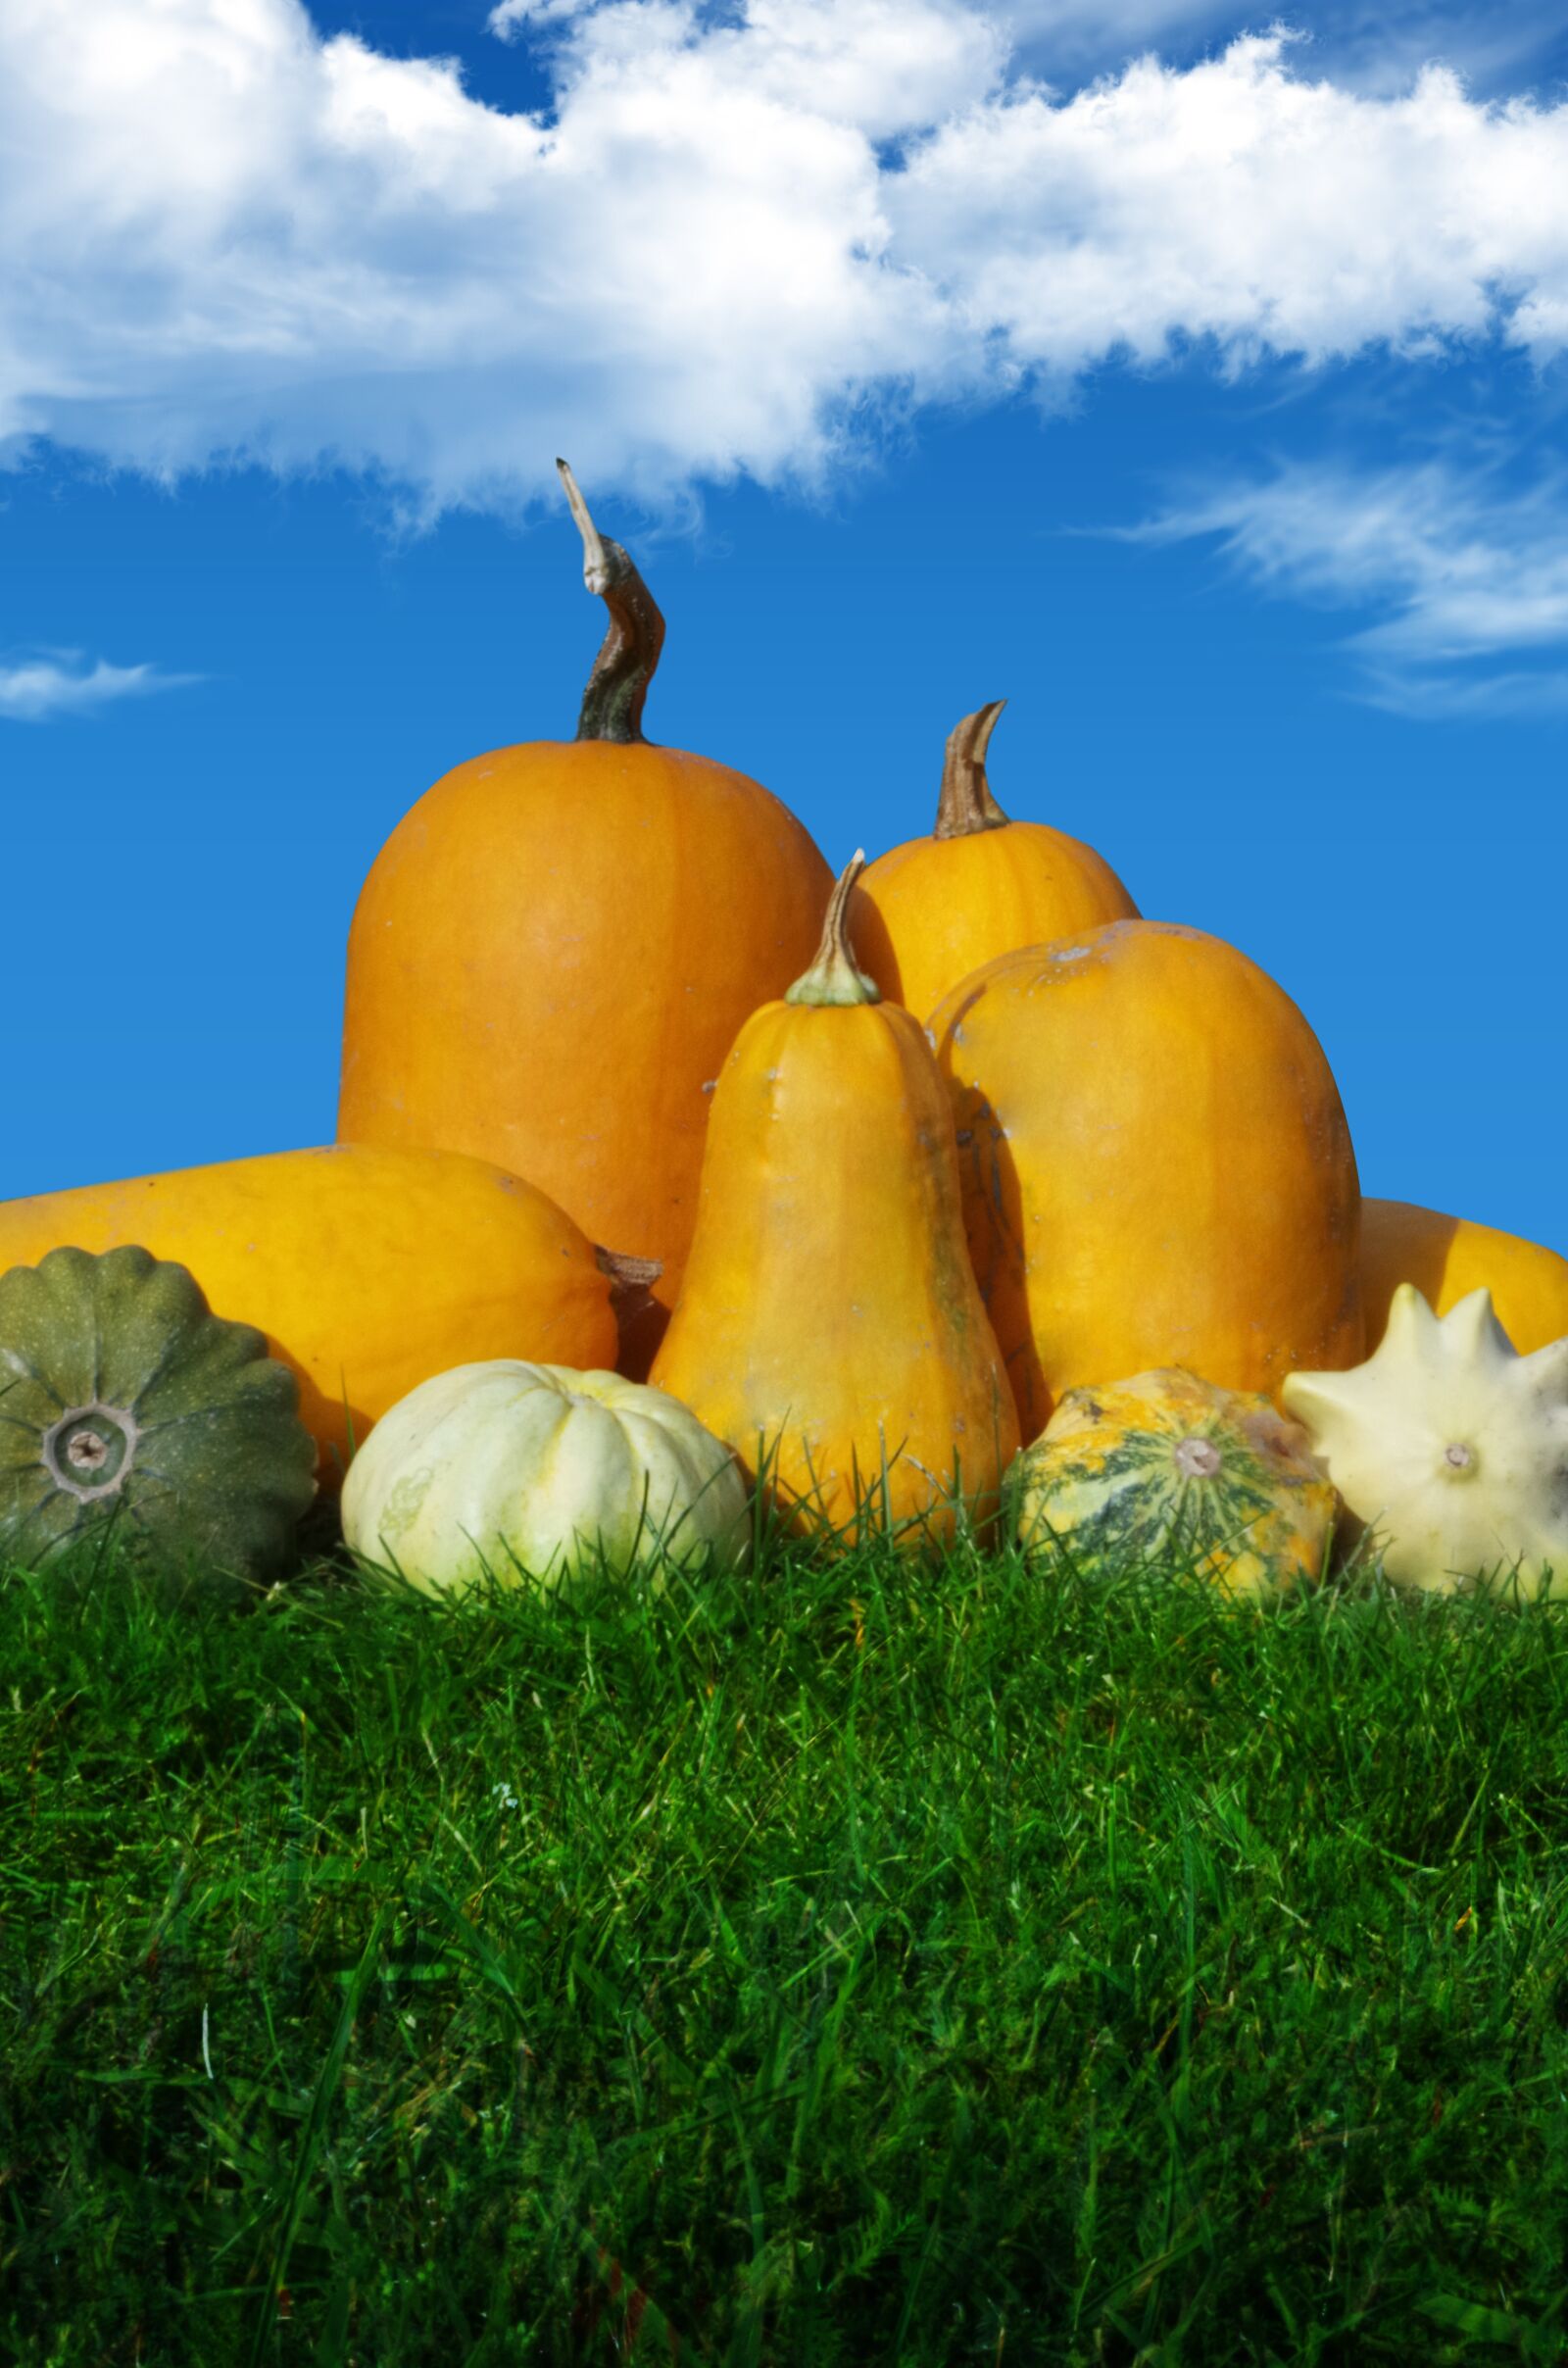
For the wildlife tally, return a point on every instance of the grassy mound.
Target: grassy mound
(870, 1961)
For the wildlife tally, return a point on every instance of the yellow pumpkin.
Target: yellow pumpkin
(554, 948)
(829, 1327)
(1157, 1167)
(928, 913)
(367, 1269)
(1448, 1258)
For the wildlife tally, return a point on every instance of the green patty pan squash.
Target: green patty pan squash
(125, 1400)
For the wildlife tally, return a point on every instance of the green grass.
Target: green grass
(864, 1962)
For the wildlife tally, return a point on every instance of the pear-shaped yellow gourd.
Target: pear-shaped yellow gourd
(829, 1326)
(1451, 1446)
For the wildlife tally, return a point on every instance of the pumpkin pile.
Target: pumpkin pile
(675, 1179)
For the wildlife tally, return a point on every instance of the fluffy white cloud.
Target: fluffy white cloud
(229, 238)
(237, 240)
(1465, 569)
(1240, 203)
(59, 682)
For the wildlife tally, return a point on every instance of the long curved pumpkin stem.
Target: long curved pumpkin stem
(612, 703)
(967, 804)
(833, 977)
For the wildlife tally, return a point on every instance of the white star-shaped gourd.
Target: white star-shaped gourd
(1451, 1446)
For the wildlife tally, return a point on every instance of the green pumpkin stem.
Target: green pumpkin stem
(833, 977)
(966, 805)
(612, 703)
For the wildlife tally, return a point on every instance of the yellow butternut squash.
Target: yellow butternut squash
(368, 1269)
(1448, 1258)
(829, 1326)
(1156, 1166)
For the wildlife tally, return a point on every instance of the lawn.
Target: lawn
(860, 1962)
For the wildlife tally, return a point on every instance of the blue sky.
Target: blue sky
(1198, 390)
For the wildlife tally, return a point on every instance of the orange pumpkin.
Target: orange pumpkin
(829, 1327)
(1447, 1258)
(928, 913)
(367, 1269)
(555, 949)
(1157, 1167)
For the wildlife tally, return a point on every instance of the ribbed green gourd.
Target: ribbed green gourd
(126, 1403)
(1167, 1467)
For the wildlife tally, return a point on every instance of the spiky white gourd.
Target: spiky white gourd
(535, 1474)
(1449, 1446)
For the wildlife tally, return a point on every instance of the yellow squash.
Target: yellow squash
(554, 948)
(928, 913)
(367, 1269)
(1448, 1258)
(1157, 1167)
(829, 1327)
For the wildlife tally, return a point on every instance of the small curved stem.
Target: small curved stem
(967, 804)
(632, 1304)
(612, 703)
(625, 1272)
(833, 977)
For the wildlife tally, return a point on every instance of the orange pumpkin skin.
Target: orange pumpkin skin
(1447, 1258)
(1156, 1166)
(554, 950)
(367, 1269)
(550, 959)
(928, 913)
(829, 1309)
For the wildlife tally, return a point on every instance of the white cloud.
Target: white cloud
(59, 682)
(514, 16)
(1370, 45)
(884, 66)
(1243, 204)
(1467, 570)
(227, 238)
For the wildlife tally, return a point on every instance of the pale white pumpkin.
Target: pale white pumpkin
(537, 1474)
(1449, 1446)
